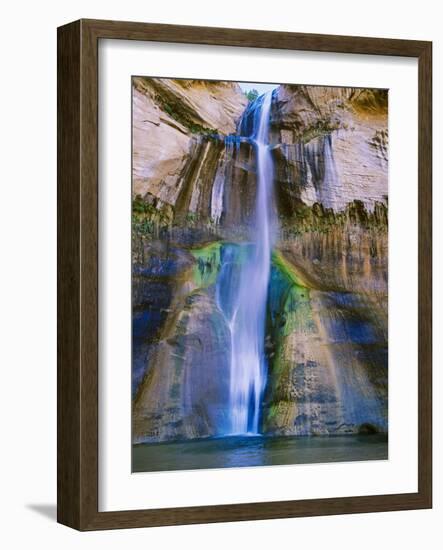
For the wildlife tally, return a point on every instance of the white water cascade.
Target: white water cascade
(248, 296)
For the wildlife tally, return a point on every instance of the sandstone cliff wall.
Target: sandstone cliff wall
(194, 190)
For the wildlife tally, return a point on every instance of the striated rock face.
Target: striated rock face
(184, 394)
(328, 335)
(328, 295)
(331, 146)
(194, 187)
(326, 339)
(170, 119)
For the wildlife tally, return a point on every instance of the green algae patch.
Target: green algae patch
(289, 299)
(287, 269)
(289, 312)
(207, 267)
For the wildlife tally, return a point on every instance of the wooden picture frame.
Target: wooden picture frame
(78, 274)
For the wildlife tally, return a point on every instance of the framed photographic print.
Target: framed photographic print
(244, 275)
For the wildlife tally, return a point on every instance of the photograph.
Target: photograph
(259, 289)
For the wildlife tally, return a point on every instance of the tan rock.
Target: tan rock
(346, 129)
(160, 150)
(167, 116)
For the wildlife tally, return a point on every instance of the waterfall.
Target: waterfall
(222, 174)
(245, 279)
(329, 190)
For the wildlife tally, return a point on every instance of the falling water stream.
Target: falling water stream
(246, 271)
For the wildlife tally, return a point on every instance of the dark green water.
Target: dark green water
(232, 452)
